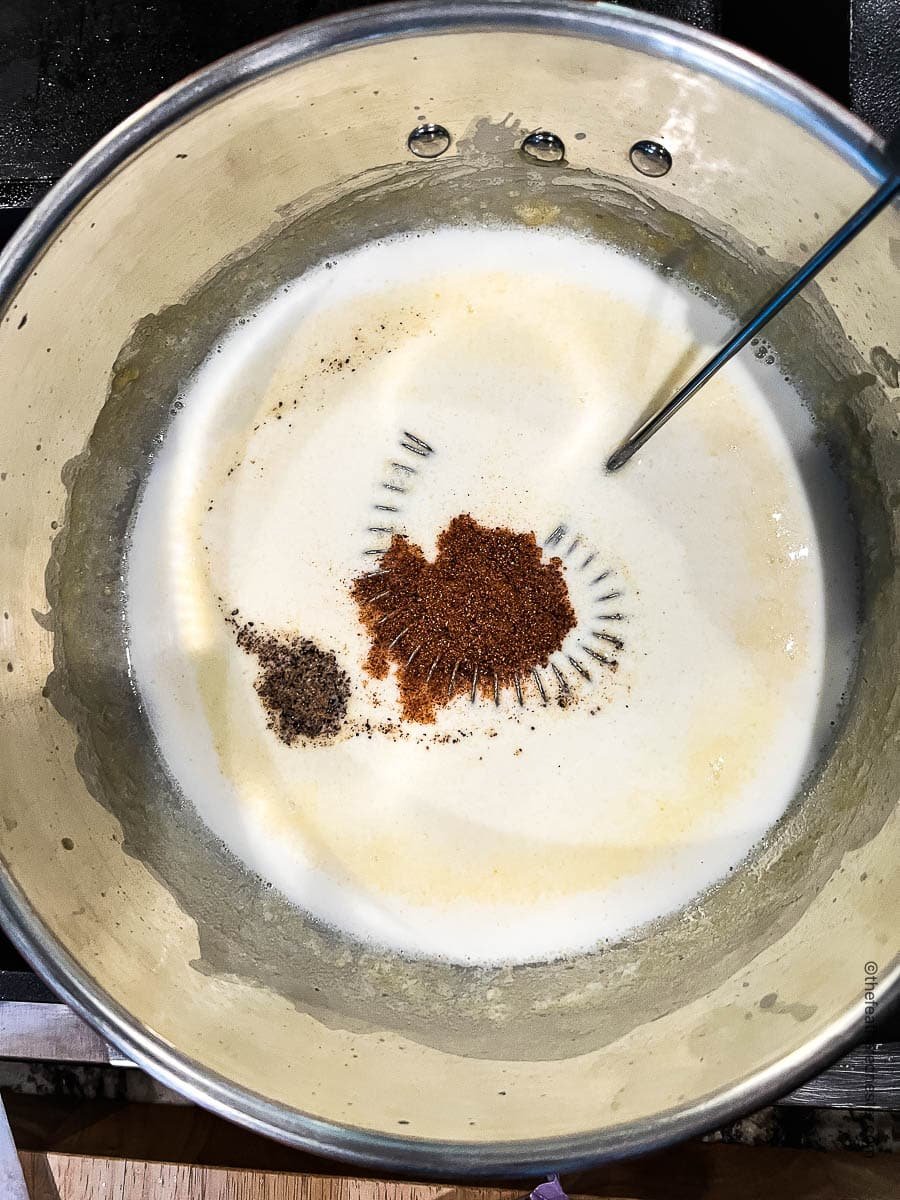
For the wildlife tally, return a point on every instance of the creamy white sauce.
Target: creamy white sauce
(522, 358)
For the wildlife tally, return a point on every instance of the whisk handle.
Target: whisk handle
(885, 195)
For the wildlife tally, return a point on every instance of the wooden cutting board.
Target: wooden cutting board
(73, 1177)
(719, 1172)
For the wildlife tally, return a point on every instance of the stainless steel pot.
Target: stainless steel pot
(120, 283)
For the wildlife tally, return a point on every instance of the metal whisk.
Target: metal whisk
(838, 240)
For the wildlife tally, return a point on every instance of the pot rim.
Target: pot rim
(746, 72)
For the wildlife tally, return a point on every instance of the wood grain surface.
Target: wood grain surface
(704, 1172)
(65, 1177)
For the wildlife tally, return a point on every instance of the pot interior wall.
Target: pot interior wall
(128, 298)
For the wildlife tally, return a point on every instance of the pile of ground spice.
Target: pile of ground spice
(302, 688)
(480, 617)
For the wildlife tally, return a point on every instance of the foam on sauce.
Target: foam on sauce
(522, 357)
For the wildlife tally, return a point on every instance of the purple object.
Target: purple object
(551, 1190)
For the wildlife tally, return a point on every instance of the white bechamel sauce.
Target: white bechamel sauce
(522, 357)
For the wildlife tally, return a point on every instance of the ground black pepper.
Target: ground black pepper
(302, 688)
(484, 613)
